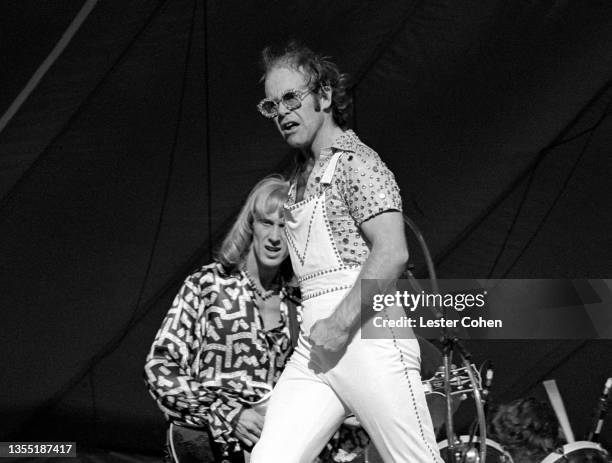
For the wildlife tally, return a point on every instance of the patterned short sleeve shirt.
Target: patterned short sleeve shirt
(362, 187)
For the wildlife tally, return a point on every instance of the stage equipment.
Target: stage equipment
(578, 452)
(450, 344)
(468, 450)
(600, 413)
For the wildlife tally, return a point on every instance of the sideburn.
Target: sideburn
(317, 103)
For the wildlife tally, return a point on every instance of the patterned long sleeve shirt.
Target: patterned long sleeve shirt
(212, 356)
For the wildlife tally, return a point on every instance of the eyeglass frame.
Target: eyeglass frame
(301, 94)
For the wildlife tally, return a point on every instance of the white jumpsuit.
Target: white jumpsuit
(376, 379)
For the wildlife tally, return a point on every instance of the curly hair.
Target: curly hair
(321, 72)
(527, 428)
(265, 198)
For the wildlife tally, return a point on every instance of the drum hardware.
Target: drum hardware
(461, 450)
(600, 413)
(577, 452)
(460, 381)
(487, 385)
(556, 401)
(450, 344)
(477, 455)
(467, 450)
(467, 456)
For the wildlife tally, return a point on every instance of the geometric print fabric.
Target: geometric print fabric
(212, 356)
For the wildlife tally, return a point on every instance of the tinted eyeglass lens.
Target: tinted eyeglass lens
(269, 107)
(291, 100)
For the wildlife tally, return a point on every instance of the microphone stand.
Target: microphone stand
(486, 390)
(600, 413)
(466, 357)
(450, 344)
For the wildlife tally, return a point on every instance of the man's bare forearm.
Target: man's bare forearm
(385, 262)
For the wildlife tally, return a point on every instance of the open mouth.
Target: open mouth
(288, 126)
(272, 249)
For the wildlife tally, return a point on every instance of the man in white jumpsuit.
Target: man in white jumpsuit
(343, 224)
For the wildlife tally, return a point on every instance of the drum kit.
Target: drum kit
(579, 452)
(576, 452)
(469, 448)
(446, 390)
(449, 382)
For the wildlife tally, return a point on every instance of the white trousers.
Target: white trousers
(376, 379)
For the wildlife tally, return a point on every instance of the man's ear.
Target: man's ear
(325, 97)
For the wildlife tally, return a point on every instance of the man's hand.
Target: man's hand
(386, 261)
(329, 334)
(249, 426)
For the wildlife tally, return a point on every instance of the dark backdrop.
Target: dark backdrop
(124, 167)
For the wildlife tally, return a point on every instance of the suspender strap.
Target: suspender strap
(330, 169)
(294, 326)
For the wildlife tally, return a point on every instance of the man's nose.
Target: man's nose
(282, 109)
(275, 235)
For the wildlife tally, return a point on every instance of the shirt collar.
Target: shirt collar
(347, 141)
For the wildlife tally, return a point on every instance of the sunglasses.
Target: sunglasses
(291, 99)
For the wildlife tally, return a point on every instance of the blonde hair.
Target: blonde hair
(267, 197)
